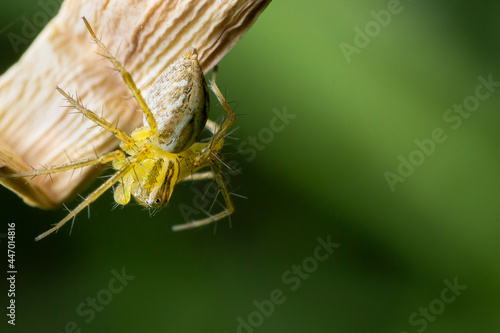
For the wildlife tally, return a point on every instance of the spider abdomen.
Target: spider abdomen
(180, 103)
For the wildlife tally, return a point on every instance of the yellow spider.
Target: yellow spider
(155, 157)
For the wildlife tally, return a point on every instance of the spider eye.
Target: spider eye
(156, 202)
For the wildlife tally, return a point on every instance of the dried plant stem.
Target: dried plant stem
(147, 35)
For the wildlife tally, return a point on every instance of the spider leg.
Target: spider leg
(199, 176)
(103, 159)
(118, 133)
(127, 78)
(231, 117)
(227, 198)
(135, 160)
(212, 126)
(219, 132)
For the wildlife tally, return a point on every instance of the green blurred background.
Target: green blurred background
(320, 175)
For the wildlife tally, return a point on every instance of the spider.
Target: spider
(154, 158)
